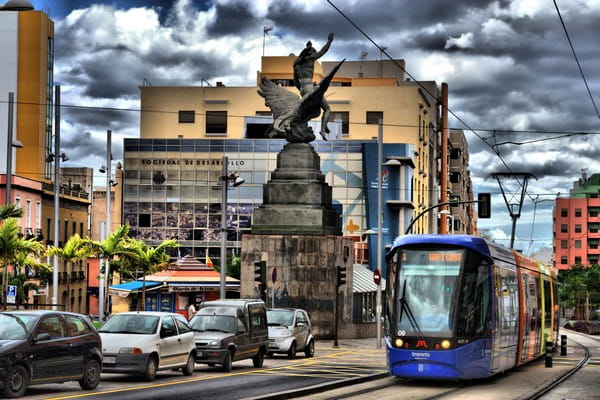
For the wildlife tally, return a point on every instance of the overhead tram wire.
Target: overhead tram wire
(383, 51)
(576, 58)
(494, 130)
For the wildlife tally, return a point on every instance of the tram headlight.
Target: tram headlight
(398, 342)
(445, 344)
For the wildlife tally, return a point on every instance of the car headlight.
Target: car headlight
(215, 344)
(130, 350)
(287, 333)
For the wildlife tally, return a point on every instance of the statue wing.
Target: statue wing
(310, 107)
(281, 102)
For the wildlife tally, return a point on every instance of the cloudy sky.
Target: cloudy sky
(514, 85)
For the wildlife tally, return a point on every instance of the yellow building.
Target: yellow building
(26, 69)
(361, 93)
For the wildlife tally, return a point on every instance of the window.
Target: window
(66, 232)
(578, 212)
(76, 326)
(38, 215)
(216, 122)
(563, 260)
(187, 117)
(52, 326)
(577, 228)
(454, 154)
(343, 116)
(577, 260)
(373, 117)
(564, 228)
(28, 214)
(167, 328)
(182, 324)
(144, 221)
(577, 244)
(564, 212)
(454, 177)
(17, 202)
(564, 244)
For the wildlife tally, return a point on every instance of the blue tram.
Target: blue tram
(462, 307)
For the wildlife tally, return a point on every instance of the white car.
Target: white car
(145, 342)
(290, 331)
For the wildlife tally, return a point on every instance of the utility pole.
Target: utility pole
(56, 194)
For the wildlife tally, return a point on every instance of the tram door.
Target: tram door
(506, 317)
(531, 331)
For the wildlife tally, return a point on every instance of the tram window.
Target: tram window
(474, 299)
(547, 305)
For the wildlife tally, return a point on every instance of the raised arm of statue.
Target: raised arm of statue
(320, 53)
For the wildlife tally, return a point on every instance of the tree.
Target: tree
(75, 249)
(10, 211)
(30, 266)
(12, 245)
(110, 249)
(144, 259)
(580, 288)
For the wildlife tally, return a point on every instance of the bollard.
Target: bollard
(548, 354)
(563, 345)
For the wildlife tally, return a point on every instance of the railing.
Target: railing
(73, 192)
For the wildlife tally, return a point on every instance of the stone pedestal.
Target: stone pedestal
(306, 275)
(297, 200)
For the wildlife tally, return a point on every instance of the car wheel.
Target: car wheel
(269, 354)
(227, 362)
(16, 382)
(151, 368)
(259, 359)
(309, 350)
(292, 351)
(91, 375)
(189, 366)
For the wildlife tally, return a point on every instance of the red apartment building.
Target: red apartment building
(577, 224)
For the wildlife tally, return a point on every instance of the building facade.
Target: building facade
(462, 217)
(577, 224)
(212, 121)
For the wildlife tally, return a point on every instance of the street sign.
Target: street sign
(274, 275)
(377, 276)
(11, 294)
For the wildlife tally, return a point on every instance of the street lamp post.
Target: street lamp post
(103, 278)
(236, 181)
(379, 228)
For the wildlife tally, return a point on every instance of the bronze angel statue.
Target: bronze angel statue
(292, 112)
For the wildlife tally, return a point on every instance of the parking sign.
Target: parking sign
(11, 294)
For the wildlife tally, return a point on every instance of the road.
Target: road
(245, 381)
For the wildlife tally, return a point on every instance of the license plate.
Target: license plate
(109, 360)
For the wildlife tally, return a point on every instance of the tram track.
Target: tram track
(383, 384)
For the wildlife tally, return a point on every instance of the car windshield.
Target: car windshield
(15, 326)
(131, 323)
(280, 317)
(219, 323)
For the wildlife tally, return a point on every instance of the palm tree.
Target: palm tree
(24, 262)
(145, 259)
(110, 249)
(10, 211)
(11, 246)
(75, 249)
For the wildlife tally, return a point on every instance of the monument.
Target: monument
(296, 230)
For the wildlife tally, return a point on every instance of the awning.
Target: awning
(362, 280)
(124, 289)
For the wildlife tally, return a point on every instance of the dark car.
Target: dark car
(230, 330)
(47, 347)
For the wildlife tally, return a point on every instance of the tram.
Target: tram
(462, 307)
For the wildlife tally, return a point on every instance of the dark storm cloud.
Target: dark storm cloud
(232, 19)
(101, 118)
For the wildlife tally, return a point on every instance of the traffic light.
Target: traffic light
(260, 272)
(341, 276)
(484, 207)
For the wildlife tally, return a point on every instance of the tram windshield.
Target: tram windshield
(426, 286)
(438, 290)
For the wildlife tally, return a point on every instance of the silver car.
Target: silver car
(289, 332)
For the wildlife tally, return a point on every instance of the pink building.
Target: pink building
(577, 225)
(26, 194)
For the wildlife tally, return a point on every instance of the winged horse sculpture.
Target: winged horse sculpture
(291, 112)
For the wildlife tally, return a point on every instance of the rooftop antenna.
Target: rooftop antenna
(266, 30)
(363, 57)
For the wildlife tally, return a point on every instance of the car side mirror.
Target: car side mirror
(40, 337)
(300, 323)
